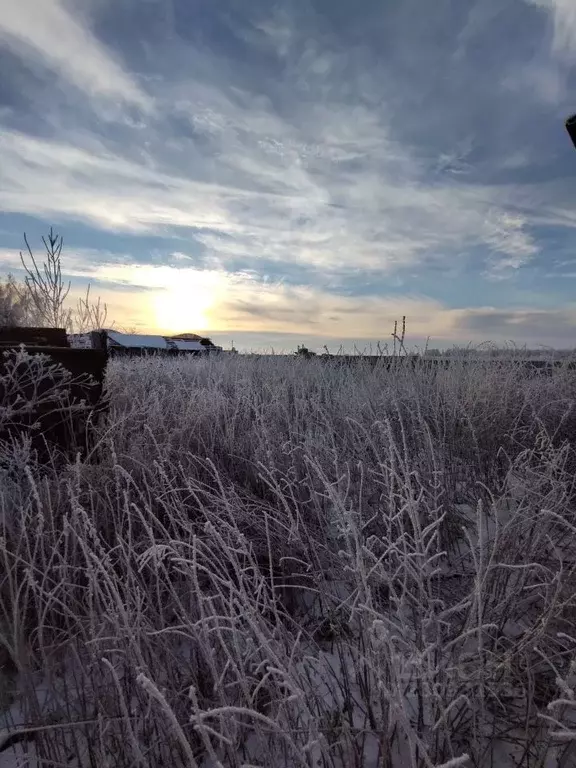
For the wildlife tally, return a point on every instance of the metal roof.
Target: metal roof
(134, 340)
(187, 346)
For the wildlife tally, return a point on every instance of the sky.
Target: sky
(299, 172)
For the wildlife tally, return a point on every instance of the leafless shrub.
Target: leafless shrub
(16, 306)
(42, 404)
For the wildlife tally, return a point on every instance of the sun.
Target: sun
(185, 307)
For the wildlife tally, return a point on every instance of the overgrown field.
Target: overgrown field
(291, 563)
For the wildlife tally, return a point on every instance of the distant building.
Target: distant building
(139, 344)
(186, 338)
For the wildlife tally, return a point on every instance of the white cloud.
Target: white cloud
(326, 182)
(62, 41)
(564, 20)
(506, 234)
(175, 299)
(286, 207)
(278, 30)
(158, 298)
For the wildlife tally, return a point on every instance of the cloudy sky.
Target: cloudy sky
(302, 171)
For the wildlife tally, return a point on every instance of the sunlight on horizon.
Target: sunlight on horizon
(187, 299)
(181, 300)
(180, 309)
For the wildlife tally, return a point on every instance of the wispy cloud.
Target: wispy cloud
(276, 199)
(564, 24)
(403, 141)
(50, 34)
(508, 236)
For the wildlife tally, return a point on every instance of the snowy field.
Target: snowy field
(287, 563)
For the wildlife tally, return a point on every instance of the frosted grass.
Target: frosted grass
(292, 563)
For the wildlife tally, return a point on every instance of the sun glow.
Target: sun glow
(176, 310)
(185, 304)
(186, 299)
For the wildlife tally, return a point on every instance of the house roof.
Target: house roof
(137, 340)
(187, 346)
(143, 341)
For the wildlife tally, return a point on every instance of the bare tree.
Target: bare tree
(44, 293)
(45, 286)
